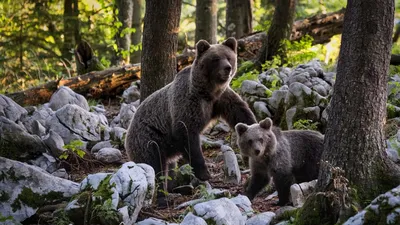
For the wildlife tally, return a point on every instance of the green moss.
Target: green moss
(10, 175)
(104, 190)
(34, 200)
(384, 210)
(317, 210)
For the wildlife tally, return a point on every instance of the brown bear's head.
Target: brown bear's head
(215, 65)
(256, 140)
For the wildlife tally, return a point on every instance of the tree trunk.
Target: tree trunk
(123, 36)
(160, 42)
(238, 18)
(71, 28)
(137, 35)
(354, 141)
(206, 21)
(280, 30)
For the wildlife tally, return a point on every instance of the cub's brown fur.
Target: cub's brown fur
(168, 123)
(288, 156)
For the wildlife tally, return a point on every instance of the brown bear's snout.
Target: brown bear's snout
(257, 152)
(227, 69)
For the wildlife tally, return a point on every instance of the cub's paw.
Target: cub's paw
(202, 174)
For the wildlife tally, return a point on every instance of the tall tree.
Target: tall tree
(238, 18)
(279, 30)
(160, 43)
(137, 25)
(123, 36)
(71, 28)
(354, 140)
(206, 21)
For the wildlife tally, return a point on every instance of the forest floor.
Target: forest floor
(171, 214)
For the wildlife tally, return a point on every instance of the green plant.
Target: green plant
(105, 213)
(202, 191)
(298, 52)
(251, 75)
(73, 148)
(394, 143)
(305, 125)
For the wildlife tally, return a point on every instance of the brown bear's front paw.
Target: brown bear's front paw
(202, 174)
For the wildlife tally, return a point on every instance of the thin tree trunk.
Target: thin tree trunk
(71, 28)
(206, 21)
(238, 18)
(354, 141)
(137, 35)
(123, 36)
(280, 30)
(160, 42)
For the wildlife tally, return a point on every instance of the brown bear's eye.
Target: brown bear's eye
(250, 142)
(261, 140)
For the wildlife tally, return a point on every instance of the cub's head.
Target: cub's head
(257, 139)
(215, 64)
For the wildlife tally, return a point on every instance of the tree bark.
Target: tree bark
(161, 27)
(238, 18)
(354, 141)
(137, 35)
(123, 36)
(280, 30)
(206, 21)
(71, 28)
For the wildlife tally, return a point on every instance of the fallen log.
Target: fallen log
(111, 82)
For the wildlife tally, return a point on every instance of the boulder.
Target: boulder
(28, 187)
(36, 117)
(72, 122)
(300, 192)
(264, 218)
(191, 219)
(231, 166)
(10, 109)
(385, 209)
(108, 155)
(220, 212)
(64, 96)
(55, 144)
(132, 94)
(17, 143)
(250, 87)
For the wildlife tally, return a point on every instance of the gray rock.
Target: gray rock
(132, 94)
(135, 184)
(108, 155)
(20, 179)
(222, 127)
(61, 173)
(72, 122)
(250, 87)
(126, 114)
(55, 144)
(220, 211)
(393, 154)
(100, 145)
(290, 114)
(231, 166)
(38, 129)
(264, 218)
(10, 109)
(330, 77)
(118, 134)
(383, 208)
(244, 204)
(271, 196)
(46, 162)
(300, 192)
(277, 101)
(208, 143)
(284, 209)
(64, 96)
(284, 223)
(100, 111)
(154, 221)
(37, 116)
(16, 143)
(320, 86)
(191, 219)
(261, 110)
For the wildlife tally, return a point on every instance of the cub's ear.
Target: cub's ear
(266, 123)
(201, 47)
(231, 43)
(241, 128)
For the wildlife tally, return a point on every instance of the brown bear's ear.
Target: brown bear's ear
(231, 43)
(241, 128)
(201, 47)
(266, 123)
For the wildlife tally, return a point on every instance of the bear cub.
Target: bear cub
(168, 123)
(288, 156)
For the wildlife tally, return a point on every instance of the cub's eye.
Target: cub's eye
(250, 142)
(261, 140)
